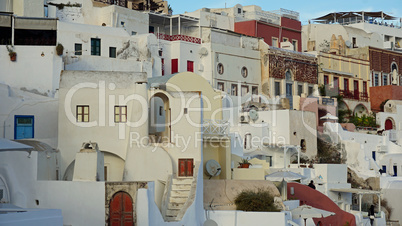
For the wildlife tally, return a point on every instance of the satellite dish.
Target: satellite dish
(213, 168)
(203, 51)
(348, 43)
(253, 114)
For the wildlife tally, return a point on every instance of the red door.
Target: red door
(388, 124)
(163, 66)
(121, 210)
(186, 167)
(190, 66)
(356, 89)
(175, 66)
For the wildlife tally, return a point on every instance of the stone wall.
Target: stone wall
(303, 67)
(131, 188)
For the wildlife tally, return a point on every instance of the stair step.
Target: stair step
(175, 206)
(180, 193)
(177, 200)
(176, 187)
(183, 181)
(170, 219)
(172, 213)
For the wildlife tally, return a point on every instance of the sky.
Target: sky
(308, 9)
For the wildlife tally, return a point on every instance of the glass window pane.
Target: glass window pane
(123, 110)
(123, 118)
(116, 110)
(86, 110)
(117, 118)
(79, 118)
(79, 110)
(86, 118)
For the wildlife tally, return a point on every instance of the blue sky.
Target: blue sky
(307, 9)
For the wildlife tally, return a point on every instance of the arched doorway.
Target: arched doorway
(389, 124)
(159, 118)
(360, 110)
(121, 210)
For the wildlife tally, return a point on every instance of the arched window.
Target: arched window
(288, 75)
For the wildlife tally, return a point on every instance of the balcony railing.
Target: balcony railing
(215, 127)
(122, 3)
(347, 94)
(178, 38)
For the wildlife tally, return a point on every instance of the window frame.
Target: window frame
(94, 46)
(247, 90)
(220, 68)
(244, 72)
(277, 92)
(222, 84)
(276, 42)
(295, 46)
(82, 114)
(76, 51)
(114, 50)
(234, 90)
(120, 114)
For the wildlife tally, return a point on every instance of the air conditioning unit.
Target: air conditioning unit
(244, 117)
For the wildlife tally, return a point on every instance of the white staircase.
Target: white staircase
(178, 196)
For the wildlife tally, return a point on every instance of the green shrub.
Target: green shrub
(259, 201)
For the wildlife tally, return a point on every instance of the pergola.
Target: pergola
(360, 192)
(345, 16)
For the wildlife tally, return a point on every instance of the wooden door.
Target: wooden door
(190, 66)
(186, 167)
(388, 124)
(175, 66)
(121, 210)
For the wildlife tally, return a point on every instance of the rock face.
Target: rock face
(220, 194)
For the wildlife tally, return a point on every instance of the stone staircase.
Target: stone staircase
(179, 194)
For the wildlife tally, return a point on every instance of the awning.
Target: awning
(356, 191)
(35, 23)
(338, 72)
(6, 145)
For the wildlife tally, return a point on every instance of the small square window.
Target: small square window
(78, 49)
(221, 86)
(185, 111)
(82, 113)
(112, 52)
(254, 90)
(120, 114)
(294, 42)
(285, 39)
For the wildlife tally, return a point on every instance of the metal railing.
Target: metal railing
(215, 127)
(347, 94)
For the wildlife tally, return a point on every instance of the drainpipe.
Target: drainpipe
(12, 30)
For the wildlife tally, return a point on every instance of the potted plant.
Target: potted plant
(11, 53)
(244, 163)
(59, 49)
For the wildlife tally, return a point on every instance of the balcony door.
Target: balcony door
(356, 89)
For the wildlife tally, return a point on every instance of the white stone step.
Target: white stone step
(170, 219)
(177, 200)
(177, 187)
(183, 181)
(172, 213)
(175, 206)
(180, 193)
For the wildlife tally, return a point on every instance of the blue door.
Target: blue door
(384, 168)
(24, 126)
(289, 94)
